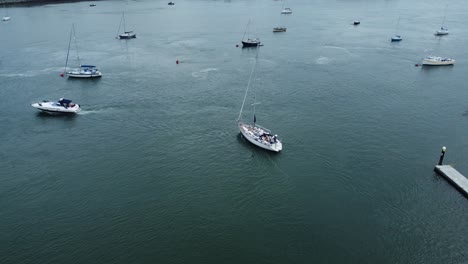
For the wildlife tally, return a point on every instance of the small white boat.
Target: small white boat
(442, 31)
(437, 61)
(356, 22)
(260, 137)
(62, 106)
(286, 11)
(6, 18)
(85, 71)
(396, 38)
(279, 29)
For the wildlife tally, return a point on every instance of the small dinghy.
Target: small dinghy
(356, 22)
(171, 3)
(62, 106)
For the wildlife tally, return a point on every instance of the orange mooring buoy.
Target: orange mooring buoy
(61, 75)
(417, 64)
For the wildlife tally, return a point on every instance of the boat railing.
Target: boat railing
(265, 129)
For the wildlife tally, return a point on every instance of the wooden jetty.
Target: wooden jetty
(454, 177)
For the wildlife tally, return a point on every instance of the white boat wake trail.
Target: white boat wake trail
(203, 73)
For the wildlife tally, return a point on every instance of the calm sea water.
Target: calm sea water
(153, 169)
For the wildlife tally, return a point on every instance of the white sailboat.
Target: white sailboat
(397, 37)
(443, 30)
(84, 71)
(255, 134)
(285, 10)
(126, 34)
(6, 17)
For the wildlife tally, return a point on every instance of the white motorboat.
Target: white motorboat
(438, 61)
(62, 106)
(286, 10)
(83, 71)
(255, 134)
(442, 31)
(6, 18)
(260, 137)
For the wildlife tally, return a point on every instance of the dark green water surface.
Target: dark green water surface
(153, 169)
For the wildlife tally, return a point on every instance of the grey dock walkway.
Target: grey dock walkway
(454, 177)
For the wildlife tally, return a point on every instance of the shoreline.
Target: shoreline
(8, 3)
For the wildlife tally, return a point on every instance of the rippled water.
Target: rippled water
(153, 169)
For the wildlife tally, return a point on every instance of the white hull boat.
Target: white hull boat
(63, 106)
(261, 137)
(6, 18)
(438, 61)
(286, 11)
(396, 38)
(86, 71)
(442, 31)
(255, 134)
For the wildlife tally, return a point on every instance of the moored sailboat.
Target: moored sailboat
(443, 30)
(250, 42)
(126, 34)
(83, 71)
(397, 37)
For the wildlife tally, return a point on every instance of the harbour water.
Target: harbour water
(153, 169)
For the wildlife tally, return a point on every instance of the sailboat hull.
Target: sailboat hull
(127, 36)
(250, 44)
(256, 135)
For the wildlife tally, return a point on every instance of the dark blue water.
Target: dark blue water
(153, 169)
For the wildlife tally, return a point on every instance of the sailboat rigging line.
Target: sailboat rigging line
(246, 27)
(255, 90)
(68, 52)
(118, 30)
(76, 45)
(248, 86)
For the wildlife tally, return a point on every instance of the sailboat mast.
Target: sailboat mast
(68, 51)
(247, 89)
(247, 27)
(120, 24)
(251, 77)
(123, 16)
(76, 45)
(445, 14)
